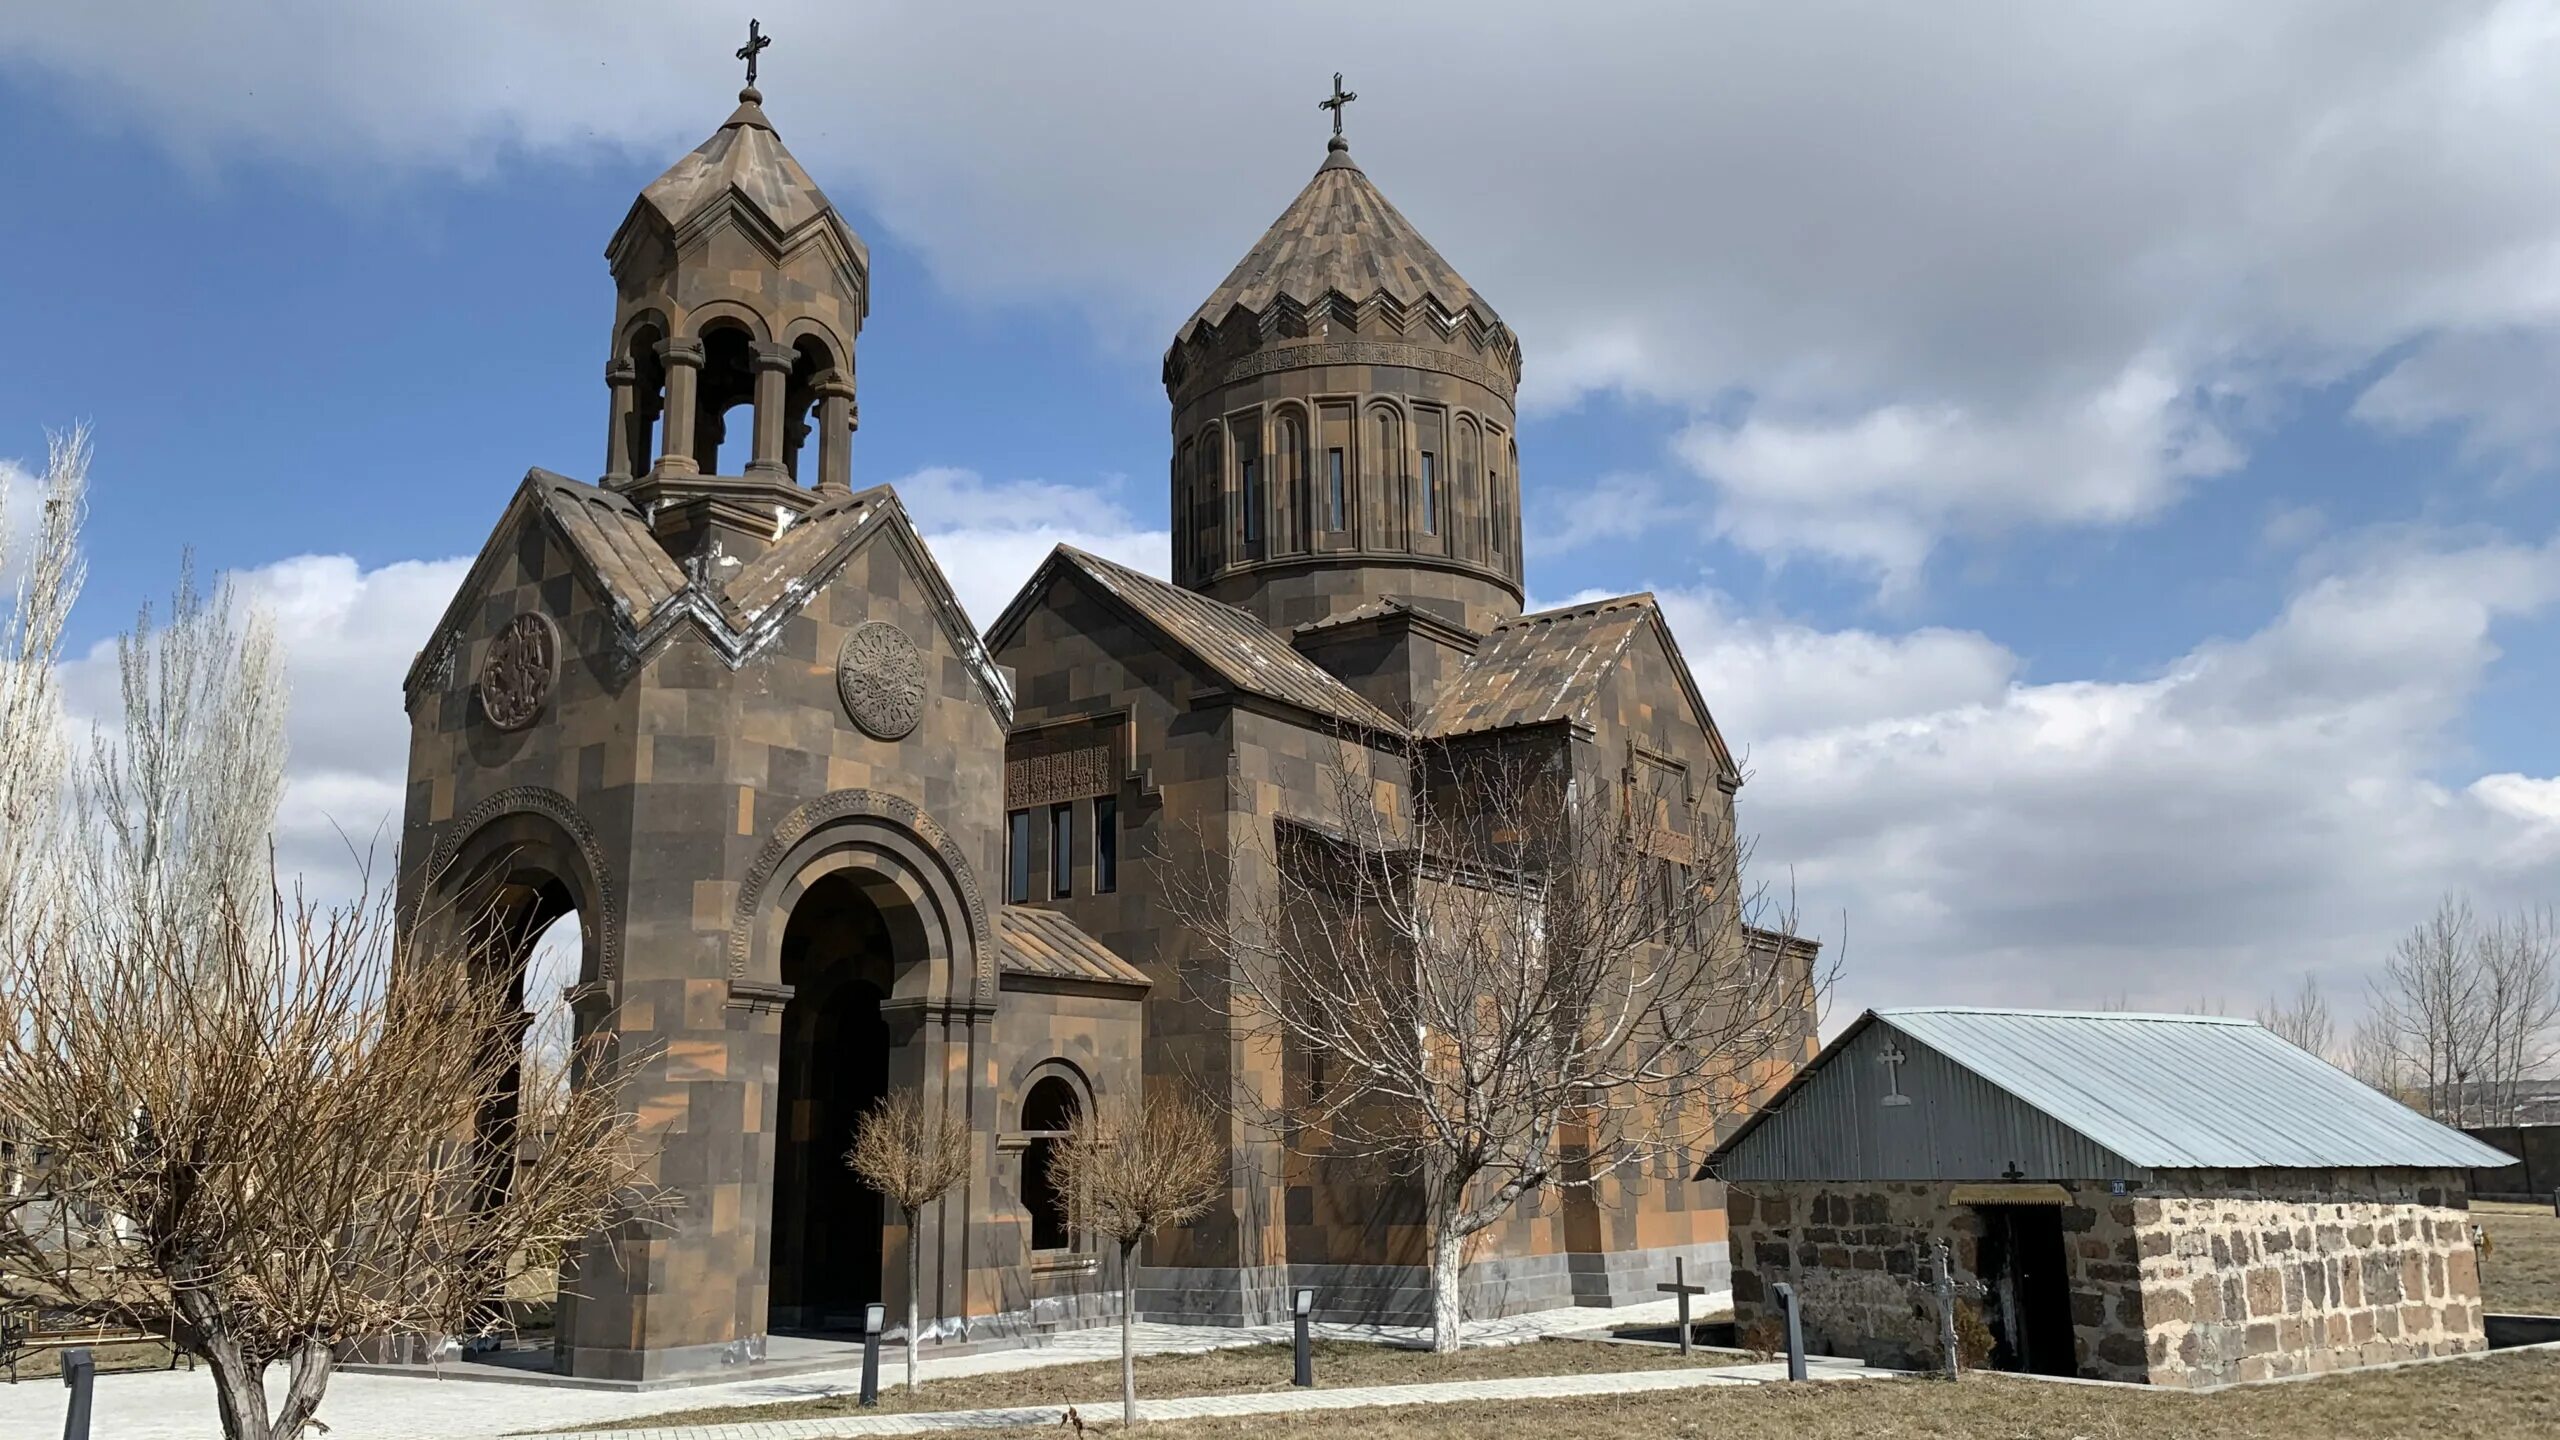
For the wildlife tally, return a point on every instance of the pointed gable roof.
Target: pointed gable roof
(1552, 665)
(652, 598)
(1230, 643)
(1342, 236)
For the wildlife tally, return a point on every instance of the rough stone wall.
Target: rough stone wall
(2254, 1275)
(1855, 1254)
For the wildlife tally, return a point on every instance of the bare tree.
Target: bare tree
(2373, 1056)
(2303, 1020)
(43, 560)
(1127, 1171)
(179, 799)
(1499, 976)
(273, 1133)
(913, 1152)
(2520, 999)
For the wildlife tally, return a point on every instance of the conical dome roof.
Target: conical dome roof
(1342, 236)
(744, 158)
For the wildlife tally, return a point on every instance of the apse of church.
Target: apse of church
(823, 841)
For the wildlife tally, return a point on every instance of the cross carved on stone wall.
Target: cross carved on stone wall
(757, 40)
(1340, 98)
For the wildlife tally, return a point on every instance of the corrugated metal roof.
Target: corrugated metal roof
(2189, 1091)
(2158, 1091)
(1540, 667)
(1047, 944)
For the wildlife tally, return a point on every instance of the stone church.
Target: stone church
(824, 838)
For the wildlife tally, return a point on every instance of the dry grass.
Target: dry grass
(1250, 1369)
(2500, 1397)
(2521, 1273)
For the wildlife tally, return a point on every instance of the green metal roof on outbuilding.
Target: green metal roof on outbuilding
(1949, 1093)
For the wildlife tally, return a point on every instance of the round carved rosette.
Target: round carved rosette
(880, 678)
(522, 665)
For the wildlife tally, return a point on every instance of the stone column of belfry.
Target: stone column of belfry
(684, 370)
(773, 375)
(835, 433)
(619, 375)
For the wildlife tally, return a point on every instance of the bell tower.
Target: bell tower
(740, 291)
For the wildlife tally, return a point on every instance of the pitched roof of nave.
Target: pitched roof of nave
(610, 539)
(1342, 236)
(1047, 944)
(745, 159)
(1553, 665)
(1233, 644)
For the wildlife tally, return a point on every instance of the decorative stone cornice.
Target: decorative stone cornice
(1208, 373)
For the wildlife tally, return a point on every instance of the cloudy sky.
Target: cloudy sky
(2099, 460)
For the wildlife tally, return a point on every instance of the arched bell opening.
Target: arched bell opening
(724, 418)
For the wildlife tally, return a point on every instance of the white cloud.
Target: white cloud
(2493, 388)
(989, 536)
(1934, 271)
(2261, 808)
(20, 493)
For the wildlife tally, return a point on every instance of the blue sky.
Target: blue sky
(2100, 467)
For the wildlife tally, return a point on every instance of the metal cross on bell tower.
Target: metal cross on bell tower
(757, 40)
(1336, 101)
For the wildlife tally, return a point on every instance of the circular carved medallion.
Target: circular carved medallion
(880, 677)
(522, 665)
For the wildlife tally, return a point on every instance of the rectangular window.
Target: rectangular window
(1017, 857)
(1334, 497)
(1250, 481)
(1106, 844)
(1430, 493)
(1062, 851)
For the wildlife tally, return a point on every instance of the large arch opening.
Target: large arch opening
(838, 954)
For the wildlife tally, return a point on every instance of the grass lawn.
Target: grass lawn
(2500, 1397)
(2521, 1273)
(1340, 1364)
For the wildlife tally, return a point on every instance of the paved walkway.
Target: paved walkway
(1532, 1387)
(178, 1405)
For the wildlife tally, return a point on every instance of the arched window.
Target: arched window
(1047, 1113)
(1289, 456)
(1211, 486)
(1386, 467)
(1249, 487)
(725, 398)
(1465, 486)
(648, 393)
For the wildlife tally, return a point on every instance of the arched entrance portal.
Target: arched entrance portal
(838, 955)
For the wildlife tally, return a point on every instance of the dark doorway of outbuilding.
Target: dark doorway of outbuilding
(2027, 1282)
(835, 1064)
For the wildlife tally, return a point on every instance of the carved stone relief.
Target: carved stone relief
(522, 666)
(880, 677)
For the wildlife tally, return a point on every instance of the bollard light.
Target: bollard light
(80, 1373)
(1305, 1308)
(1789, 1307)
(872, 1318)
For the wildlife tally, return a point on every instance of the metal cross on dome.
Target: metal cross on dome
(757, 40)
(1340, 98)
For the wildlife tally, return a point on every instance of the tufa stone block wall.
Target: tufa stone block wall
(2251, 1275)
(2195, 1279)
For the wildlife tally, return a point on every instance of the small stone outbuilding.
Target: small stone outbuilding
(2172, 1199)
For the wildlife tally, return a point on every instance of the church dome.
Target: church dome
(744, 162)
(1343, 423)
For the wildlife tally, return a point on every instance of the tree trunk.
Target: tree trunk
(915, 1288)
(1446, 1324)
(239, 1390)
(1128, 1332)
(306, 1379)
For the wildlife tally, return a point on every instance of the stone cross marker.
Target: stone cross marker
(1340, 98)
(757, 40)
(1681, 1287)
(1943, 1285)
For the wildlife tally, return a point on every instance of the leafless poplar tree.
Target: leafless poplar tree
(2469, 1009)
(1497, 976)
(913, 1152)
(1127, 1172)
(2304, 1019)
(41, 555)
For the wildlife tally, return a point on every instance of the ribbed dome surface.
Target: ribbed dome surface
(1342, 236)
(746, 157)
